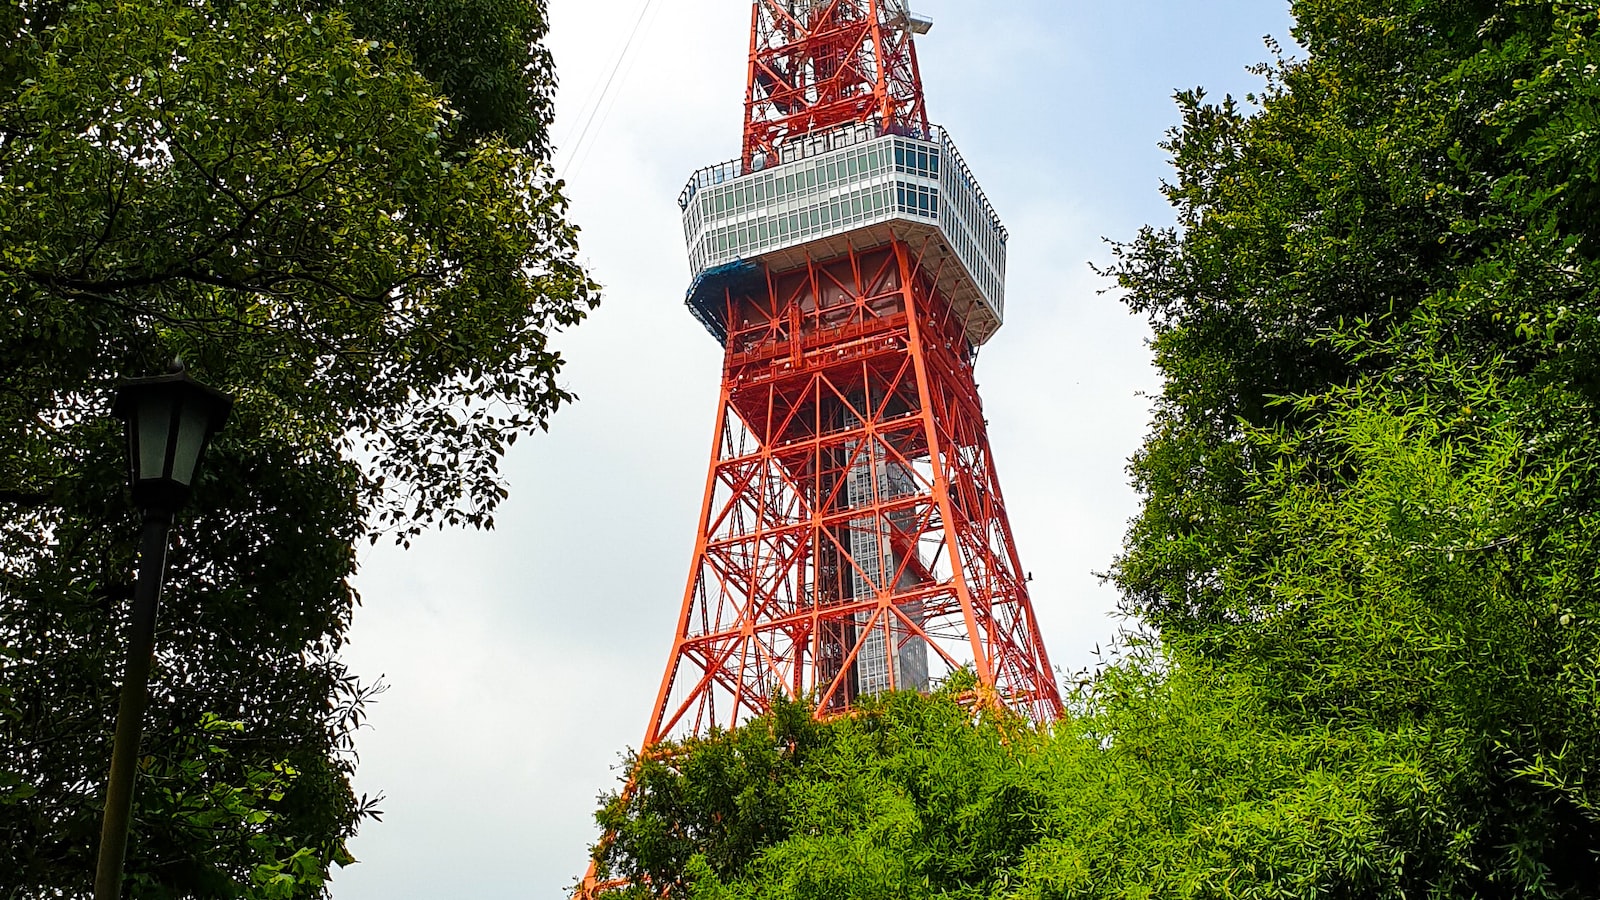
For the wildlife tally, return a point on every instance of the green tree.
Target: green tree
(340, 212)
(1387, 271)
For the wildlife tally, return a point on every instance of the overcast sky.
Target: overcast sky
(523, 662)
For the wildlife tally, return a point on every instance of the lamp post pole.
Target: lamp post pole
(135, 696)
(170, 420)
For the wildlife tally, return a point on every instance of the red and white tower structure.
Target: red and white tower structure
(854, 538)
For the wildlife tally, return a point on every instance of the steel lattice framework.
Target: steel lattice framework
(819, 64)
(853, 537)
(852, 514)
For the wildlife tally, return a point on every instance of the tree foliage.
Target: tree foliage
(1369, 478)
(1403, 716)
(341, 213)
(1368, 552)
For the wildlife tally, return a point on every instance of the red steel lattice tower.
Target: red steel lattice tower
(853, 538)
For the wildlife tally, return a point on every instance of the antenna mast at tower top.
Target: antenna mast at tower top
(816, 65)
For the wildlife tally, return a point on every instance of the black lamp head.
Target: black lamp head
(170, 421)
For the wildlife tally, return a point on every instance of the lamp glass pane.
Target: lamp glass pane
(152, 421)
(191, 437)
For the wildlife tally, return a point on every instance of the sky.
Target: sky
(522, 662)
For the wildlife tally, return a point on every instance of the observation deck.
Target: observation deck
(850, 188)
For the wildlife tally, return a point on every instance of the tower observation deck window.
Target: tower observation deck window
(731, 215)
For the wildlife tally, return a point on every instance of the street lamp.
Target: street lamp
(170, 420)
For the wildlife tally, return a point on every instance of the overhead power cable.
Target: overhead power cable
(596, 107)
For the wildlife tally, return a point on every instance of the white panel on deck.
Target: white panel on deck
(846, 184)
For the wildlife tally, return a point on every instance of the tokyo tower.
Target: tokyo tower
(853, 538)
